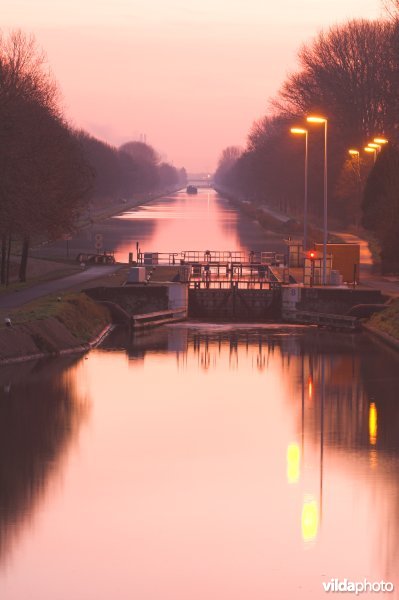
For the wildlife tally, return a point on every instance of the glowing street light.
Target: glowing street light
(301, 131)
(323, 120)
(374, 145)
(355, 154)
(380, 140)
(373, 150)
(373, 427)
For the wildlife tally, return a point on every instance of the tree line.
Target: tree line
(349, 74)
(49, 172)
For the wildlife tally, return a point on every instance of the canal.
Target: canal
(200, 460)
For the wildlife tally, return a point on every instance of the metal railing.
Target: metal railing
(216, 257)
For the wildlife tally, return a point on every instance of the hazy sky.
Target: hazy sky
(191, 75)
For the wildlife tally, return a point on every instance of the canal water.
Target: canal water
(201, 461)
(174, 223)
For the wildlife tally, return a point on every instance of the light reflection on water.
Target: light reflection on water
(215, 462)
(183, 222)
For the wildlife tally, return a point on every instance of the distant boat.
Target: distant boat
(191, 189)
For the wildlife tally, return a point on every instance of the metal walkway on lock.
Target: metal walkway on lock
(221, 269)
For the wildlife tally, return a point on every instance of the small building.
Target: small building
(345, 259)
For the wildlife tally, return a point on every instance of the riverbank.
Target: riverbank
(275, 221)
(96, 214)
(46, 265)
(53, 326)
(385, 325)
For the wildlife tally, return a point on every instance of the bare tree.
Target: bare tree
(226, 162)
(348, 73)
(38, 189)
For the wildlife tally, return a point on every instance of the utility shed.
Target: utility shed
(345, 259)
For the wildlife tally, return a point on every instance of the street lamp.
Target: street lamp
(374, 145)
(323, 120)
(301, 131)
(379, 140)
(356, 154)
(373, 150)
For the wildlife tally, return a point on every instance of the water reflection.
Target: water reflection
(171, 224)
(40, 416)
(185, 222)
(329, 383)
(222, 463)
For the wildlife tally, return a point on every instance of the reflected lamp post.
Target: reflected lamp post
(301, 131)
(323, 120)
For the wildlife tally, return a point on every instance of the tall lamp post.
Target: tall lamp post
(356, 154)
(380, 140)
(376, 145)
(373, 150)
(301, 131)
(325, 233)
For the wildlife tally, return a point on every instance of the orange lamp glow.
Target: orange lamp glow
(373, 424)
(379, 140)
(310, 387)
(316, 119)
(299, 130)
(353, 152)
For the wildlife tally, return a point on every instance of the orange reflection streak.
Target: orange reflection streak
(373, 425)
(310, 387)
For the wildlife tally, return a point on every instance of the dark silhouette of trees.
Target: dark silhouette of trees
(168, 175)
(146, 160)
(349, 74)
(381, 206)
(226, 162)
(48, 172)
(44, 177)
(107, 169)
(133, 168)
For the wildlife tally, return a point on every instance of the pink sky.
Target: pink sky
(191, 75)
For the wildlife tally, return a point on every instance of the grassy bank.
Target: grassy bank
(51, 326)
(387, 321)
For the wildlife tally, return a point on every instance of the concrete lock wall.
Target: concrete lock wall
(336, 301)
(235, 304)
(177, 296)
(137, 299)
